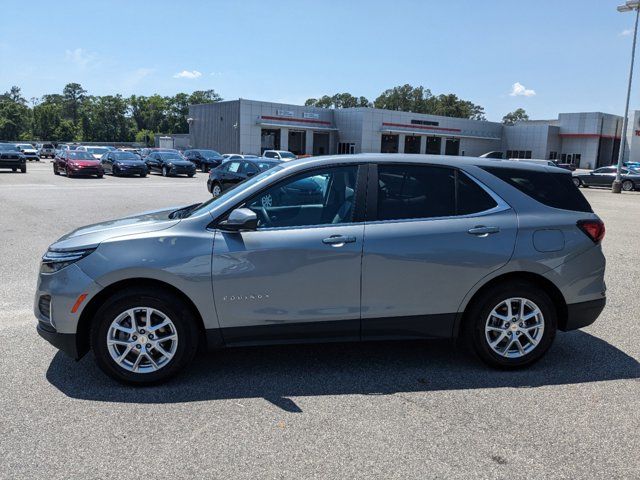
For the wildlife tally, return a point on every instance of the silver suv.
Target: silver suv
(363, 247)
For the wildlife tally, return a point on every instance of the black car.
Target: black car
(169, 164)
(11, 157)
(231, 173)
(307, 191)
(205, 160)
(123, 163)
(604, 177)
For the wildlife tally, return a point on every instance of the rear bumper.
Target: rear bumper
(65, 342)
(583, 314)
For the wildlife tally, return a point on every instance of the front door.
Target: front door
(434, 233)
(297, 277)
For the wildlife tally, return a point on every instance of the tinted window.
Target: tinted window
(249, 168)
(80, 155)
(269, 154)
(471, 197)
(321, 197)
(552, 189)
(415, 191)
(124, 156)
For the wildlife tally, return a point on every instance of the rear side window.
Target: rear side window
(422, 191)
(552, 189)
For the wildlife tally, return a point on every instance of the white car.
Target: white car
(237, 156)
(95, 150)
(28, 151)
(283, 155)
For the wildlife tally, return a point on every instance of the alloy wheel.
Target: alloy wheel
(514, 327)
(216, 191)
(627, 186)
(576, 182)
(142, 340)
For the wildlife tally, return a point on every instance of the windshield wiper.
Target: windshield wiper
(184, 211)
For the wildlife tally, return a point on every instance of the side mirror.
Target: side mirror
(239, 220)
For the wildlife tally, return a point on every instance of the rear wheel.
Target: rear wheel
(577, 182)
(216, 190)
(165, 172)
(512, 325)
(143, 336)
(55, 170)
(23, 169)
(14, 169)
(627, 185)
(204, 168)
(190, 175)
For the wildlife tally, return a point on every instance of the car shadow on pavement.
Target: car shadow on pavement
(278, 373)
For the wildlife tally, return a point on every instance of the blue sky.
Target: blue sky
(561, 55)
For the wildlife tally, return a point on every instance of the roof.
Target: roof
(445, 160)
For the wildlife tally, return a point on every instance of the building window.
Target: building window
(389, 144)
(433, 145)
(452, 147)
(345, 148)
(576, 159)
(297, 142)
(412, 144)
(553, 155)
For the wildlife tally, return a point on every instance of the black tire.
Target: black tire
(213, 187)
(628, 186)
(577, 182)
(190, 175)
(55, 170)
(143, 175)
(162, 300)
(100, 175)
(23, 169)
(478, 314)
(204, 168)
(165, 172)
(14, 169)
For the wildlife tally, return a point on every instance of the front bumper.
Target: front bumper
(12, 162)
(65, 342)
(88, 171)
(130, 169)
(182, 170)
(583, 314)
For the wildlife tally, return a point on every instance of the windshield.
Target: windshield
(209, 153)
(209, 204)
(170, 156)
(25, 145)
(125, 156)
(97, 150)
(5, 146)
(79, 155)
(287, 155)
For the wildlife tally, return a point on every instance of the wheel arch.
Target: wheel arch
(529, 277)
(88, 313)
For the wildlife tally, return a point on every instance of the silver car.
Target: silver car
(496, 253)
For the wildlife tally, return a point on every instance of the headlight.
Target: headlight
(52, 261)
(170, 165)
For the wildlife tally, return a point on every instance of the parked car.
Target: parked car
(604, 177)
(493, 154)
(537, 161)
(94, 150)
(135, 151)
(237, 156)
(11, 157)
(75, 163)
(29, 151)
(169, 164)
(205, 160)
(119, 163)
(634, 165)
(499, 254)
(231, 173)
(146, 151)
(46, 150)
(567, 166)
(283, 155)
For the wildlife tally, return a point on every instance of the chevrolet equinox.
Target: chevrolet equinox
(496, 253)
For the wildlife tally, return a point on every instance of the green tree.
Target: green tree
(145, 137)
(339, 100)
(46, 120)
(15, 115)
(517, 115)
(73, 94)
(204, 96)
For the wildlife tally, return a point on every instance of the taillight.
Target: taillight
(594, 229)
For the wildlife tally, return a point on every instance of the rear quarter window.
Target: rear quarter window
(551, 189)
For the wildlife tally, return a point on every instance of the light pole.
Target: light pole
(627, 7)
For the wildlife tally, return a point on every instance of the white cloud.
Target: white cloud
(190, 74)
(625, 33)
(519, 90)
(80, 57)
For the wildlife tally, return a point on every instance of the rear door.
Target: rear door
(432, 233)
(297, 277)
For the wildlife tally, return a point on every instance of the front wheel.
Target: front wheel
(165, 172)
(23, 169)
(143, 336)
(204, 168)
(627, 185)
(577, 182)
(512, 325)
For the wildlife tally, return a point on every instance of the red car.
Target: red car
(74, 163)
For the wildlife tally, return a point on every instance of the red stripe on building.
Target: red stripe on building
(420, 127)
(588, 135)
(291, 119)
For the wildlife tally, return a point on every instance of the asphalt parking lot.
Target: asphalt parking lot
(384, 410)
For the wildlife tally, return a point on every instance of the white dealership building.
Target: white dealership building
(588, 140)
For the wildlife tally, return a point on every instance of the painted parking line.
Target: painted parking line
(91, 187)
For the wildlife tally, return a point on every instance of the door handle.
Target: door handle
(482, 231)
(338, 240)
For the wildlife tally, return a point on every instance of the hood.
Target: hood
(130, 161)
(92, 235)
(84, 163)
(175, 161)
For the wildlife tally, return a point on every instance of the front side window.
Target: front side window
(321, 197)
